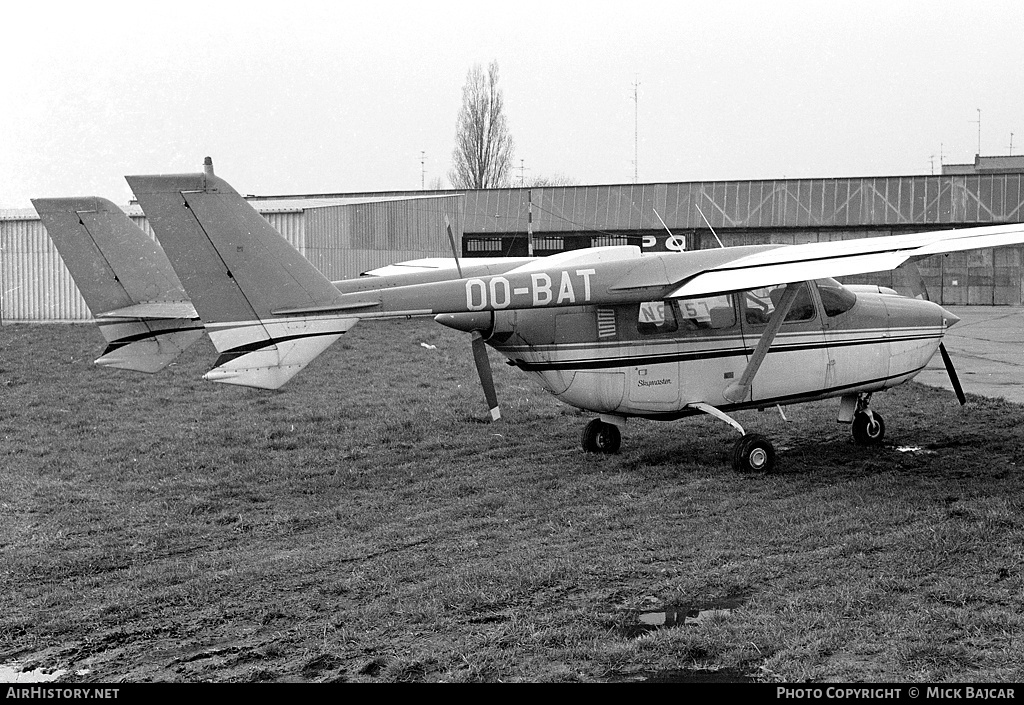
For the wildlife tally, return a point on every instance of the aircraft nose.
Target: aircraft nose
(949, 319)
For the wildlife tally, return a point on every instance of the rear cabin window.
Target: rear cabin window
(656, 317)
(686, 315)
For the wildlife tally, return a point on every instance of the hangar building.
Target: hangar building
(345, 234)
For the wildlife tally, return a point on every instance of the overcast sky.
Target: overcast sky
(314, 97)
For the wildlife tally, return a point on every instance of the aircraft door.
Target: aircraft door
(654, 385)
(797, 362)
(858, 339)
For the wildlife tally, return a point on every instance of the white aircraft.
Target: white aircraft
(609, 330)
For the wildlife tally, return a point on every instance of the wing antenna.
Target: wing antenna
(451, 239)
(672, 236)
(709, 225)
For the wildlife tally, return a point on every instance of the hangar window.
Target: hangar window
(608, 240)
(548, 243)
(483, 244)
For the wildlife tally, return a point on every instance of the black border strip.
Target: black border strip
(616, 362)
(233, 353)
(129, 339)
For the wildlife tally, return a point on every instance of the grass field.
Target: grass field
(365, 524)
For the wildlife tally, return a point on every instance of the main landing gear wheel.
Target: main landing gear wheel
(753, 453)
(868, 428)
(601, 437)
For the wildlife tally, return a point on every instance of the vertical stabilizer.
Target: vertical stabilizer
(238, 270)
(126, 280)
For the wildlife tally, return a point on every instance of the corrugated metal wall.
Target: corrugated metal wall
(789, 203)
(34, 283)
(344, 241)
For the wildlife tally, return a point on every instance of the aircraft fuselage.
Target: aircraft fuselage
(656, 359)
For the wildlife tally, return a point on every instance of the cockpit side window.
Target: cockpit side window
(759, 304)
(835, 298)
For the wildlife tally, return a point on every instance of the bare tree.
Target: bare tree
(553, 180)
(483, 146)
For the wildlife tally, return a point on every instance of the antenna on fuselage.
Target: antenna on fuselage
(709, 225)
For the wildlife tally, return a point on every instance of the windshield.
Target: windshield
(835, 298)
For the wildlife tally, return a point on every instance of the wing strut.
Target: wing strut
(738, 390)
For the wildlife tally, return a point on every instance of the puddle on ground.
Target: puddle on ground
(915, 450)
(12, 673)
(675, 618)
(680, 616)
(722, 675)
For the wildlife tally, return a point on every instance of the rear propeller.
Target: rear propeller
(483, 368)
(918, 288)
(473, 323)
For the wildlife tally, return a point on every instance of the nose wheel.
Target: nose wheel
(601, 437)
(868, 428)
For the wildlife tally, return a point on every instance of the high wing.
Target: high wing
(126, 280)
(792, 263)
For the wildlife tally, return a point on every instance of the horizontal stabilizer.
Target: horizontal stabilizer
(267, 354)
(146, 345)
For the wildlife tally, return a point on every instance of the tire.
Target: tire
(753, 453)
(868, 428)
(601, 437)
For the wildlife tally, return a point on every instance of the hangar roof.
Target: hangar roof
(866, 202)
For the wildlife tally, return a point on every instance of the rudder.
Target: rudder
(126, 280)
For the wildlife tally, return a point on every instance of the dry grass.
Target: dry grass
(364, 524)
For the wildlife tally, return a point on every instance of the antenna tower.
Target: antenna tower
(636, 129)
(979, 129)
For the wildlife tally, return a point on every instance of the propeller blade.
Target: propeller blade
(483, 368)
(952, 374)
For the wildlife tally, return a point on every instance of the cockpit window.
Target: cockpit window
(835, 297)
(759, 304)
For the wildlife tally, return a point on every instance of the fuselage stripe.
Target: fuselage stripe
(627, 360)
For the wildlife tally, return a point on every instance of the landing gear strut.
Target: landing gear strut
(601, 437)
(868, 426)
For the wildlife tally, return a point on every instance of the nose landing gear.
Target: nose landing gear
(868, 426)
